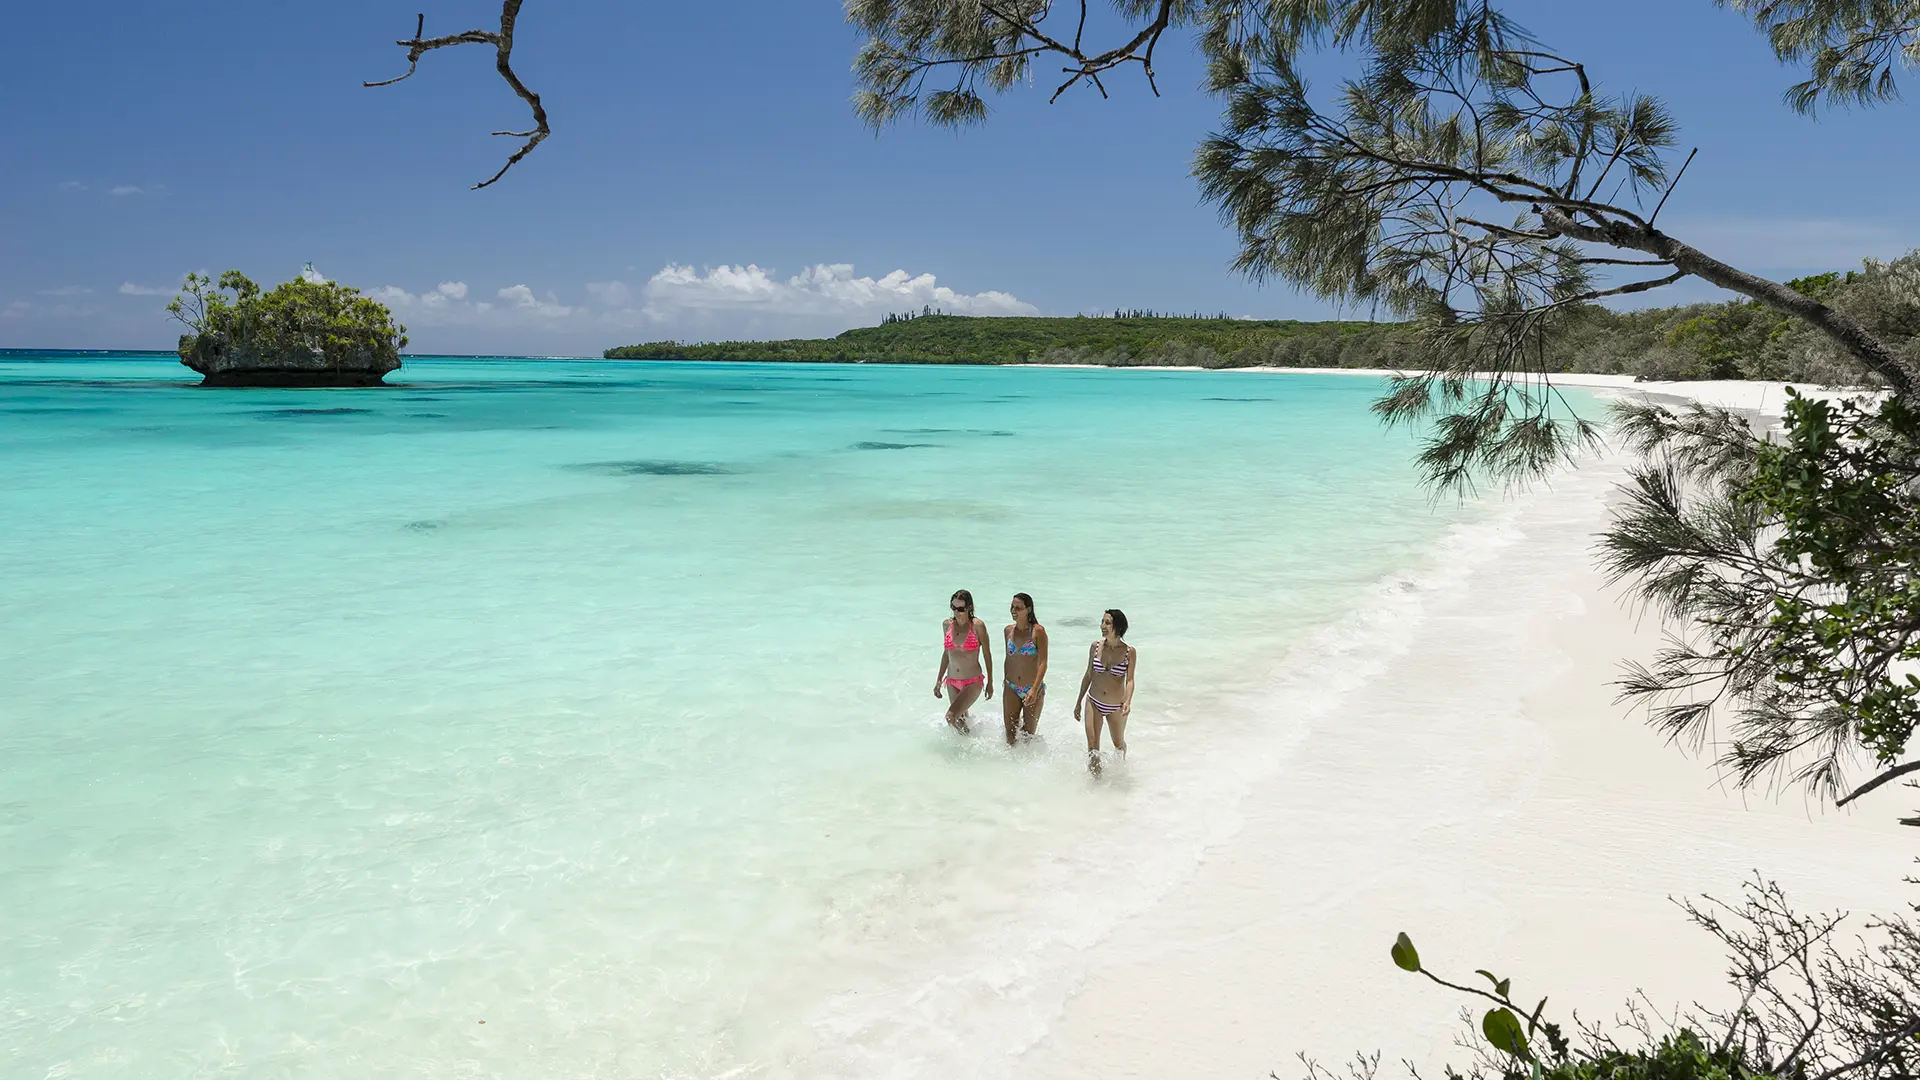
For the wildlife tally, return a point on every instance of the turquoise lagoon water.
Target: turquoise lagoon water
(575, 719)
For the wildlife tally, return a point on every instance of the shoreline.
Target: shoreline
(1486, 796)
(1753, 394)
(1728, 393)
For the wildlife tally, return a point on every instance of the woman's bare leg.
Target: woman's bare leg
(1030, 707)
(960, 699)
(1010, 712)
(1117, 730)
(1092, 716)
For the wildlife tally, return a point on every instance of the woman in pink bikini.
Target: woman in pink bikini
(966, 668)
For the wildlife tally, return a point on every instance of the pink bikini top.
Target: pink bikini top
(969, 645)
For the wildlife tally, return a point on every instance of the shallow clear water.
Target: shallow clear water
(594, 701)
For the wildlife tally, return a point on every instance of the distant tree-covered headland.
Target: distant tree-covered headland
(1122, 339)
(1739, 339)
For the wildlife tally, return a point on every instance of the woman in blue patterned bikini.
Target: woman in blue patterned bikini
(1025, 670)
(1108, 686)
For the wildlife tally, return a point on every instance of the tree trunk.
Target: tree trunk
(1845, 330)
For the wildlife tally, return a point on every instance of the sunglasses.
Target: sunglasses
(958, 608)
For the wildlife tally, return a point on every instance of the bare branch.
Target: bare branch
(1676, 183)
(1891, 774)
(1878, 1052)
(1594, 260)
(502, 41)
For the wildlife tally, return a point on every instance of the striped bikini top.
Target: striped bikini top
(1118, 667)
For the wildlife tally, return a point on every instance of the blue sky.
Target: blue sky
(706, 177)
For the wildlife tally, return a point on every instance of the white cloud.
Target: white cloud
(72, 185)
(19, 309)
(311, 276)
(614, 294)
(128, 288)
(126, 189)
(67, 290)
(724, 301)
(820, 290)
(522, 299)
(447, 304)
(443, 298)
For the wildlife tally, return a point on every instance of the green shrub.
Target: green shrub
(299, 315)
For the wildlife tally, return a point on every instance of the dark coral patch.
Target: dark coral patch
(278, 414)
(654, 468)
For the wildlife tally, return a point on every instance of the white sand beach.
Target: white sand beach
(1488, 797)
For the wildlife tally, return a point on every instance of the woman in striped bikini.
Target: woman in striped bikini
(966, 668)
(1108, 686)
(1025, 670)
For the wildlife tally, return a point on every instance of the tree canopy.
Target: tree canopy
(234, 306)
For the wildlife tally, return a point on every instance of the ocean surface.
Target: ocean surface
(531, 719)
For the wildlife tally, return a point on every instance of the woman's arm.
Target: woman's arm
(1133, 668)
(941, 675)
(986, 657)
(1086, 680)
(1040, 654)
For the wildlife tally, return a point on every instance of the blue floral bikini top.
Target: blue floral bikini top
(1028, 648)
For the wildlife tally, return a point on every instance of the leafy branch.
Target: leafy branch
(990, 42)
(1790, 564)
(1805, 1008)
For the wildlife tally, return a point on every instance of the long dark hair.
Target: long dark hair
(1032, 619)
(1119, 621)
